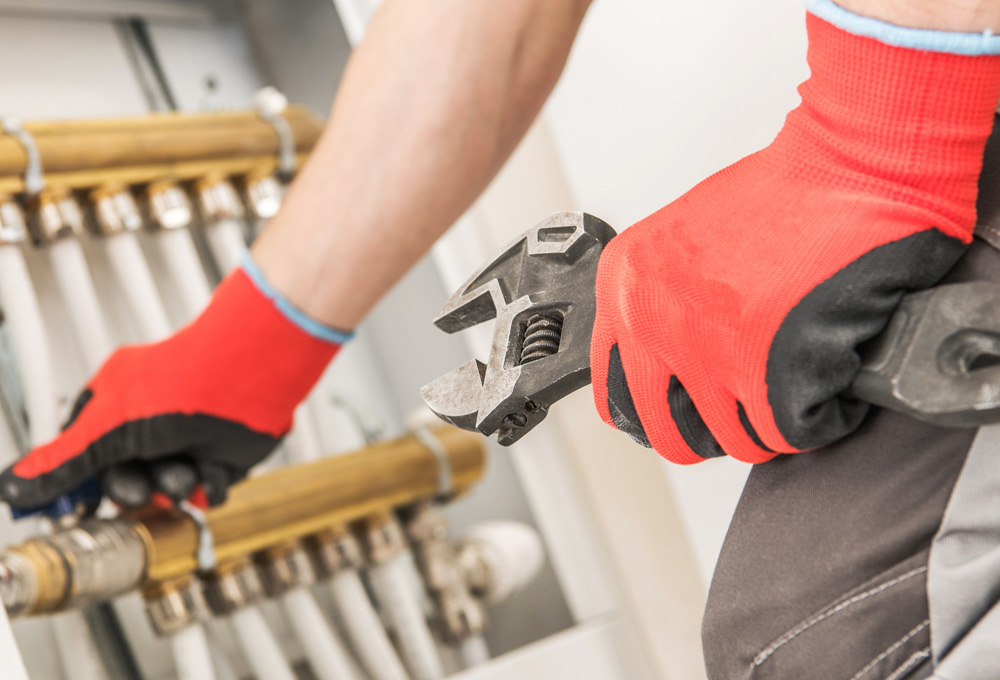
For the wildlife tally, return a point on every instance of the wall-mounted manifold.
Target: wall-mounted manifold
(313, 503)
(176, 146)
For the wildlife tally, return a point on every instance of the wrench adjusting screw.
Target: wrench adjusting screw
(541, 337)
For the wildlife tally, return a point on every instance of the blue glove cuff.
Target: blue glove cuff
(968, 44)
(305, 322)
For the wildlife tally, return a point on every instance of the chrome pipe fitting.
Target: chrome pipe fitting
(93, 561)
(232, 587)
(174, 605)
(218, 200)
(462, 613)
(57, 215)
(264, 195)
(384, 539)
(13, 228)
(334, 551)
(115, 210)
(284, 568)
(169, 206)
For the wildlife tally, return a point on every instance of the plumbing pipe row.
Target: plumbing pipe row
(473, 651)
(326, 653)
(365, 628)
(24, 318)
(394, 585)
(259, 646)
(76, 288)
(10, 654)
(192, 656)
(136, 282)
(77, 650)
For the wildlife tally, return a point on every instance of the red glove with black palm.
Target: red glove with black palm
(201, 407)
(727, 322)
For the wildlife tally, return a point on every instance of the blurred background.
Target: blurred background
(656, 96)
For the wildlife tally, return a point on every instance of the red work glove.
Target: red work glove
(202, 406)
(727, 322)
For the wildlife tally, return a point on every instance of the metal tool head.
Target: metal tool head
(540, 290)
(939, 357)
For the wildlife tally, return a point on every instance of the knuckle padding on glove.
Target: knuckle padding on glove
(689, 422)
(223, 444)
(813, 359)
(620, 404)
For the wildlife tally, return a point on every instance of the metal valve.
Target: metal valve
(57, 215)
(264, 194)
(169, 206)
(13, 228)
(115, 210)
(218, 199)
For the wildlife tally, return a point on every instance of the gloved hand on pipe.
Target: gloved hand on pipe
(201, 407)
(727, 322)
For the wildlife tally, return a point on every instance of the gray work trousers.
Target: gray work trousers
(824, 572)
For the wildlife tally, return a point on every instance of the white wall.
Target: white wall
(657, 96)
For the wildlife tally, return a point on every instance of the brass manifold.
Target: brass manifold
(100, 559)
(86, 154)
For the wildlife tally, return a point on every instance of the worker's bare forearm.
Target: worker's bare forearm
(430, 106)
(972, 16)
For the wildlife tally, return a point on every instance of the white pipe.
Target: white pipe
(9, 449)
(79, 296)
(365, 629)
(225, 239)
(192, 655)
(10, 654)
(401, 606)
(221, 666)
(77, 651)
(136, 283)
(258, 643)
(184, 268)
(324, 649)
(24, 318)
(473, 651)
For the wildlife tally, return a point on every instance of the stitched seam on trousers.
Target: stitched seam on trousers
(878, 659)
(788, 637)
(989, 228)
(910, 664)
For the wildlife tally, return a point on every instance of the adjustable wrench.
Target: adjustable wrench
(938, 359)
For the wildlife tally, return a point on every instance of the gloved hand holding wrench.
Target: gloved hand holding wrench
(729, 322)
(540, 291)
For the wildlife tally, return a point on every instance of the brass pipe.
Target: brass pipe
(163, 120)
(298, 501)
(145, 174)
(105, 558)
(74, 146)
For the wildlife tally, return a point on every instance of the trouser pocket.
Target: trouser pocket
(877, 631)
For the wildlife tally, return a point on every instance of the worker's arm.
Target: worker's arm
(728, 321)
(430, 106)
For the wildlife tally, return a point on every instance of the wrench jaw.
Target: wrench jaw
(454, 397)
(937, 359)
(540, 290)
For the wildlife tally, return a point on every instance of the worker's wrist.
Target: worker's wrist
(932, 40)
(296, 316)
